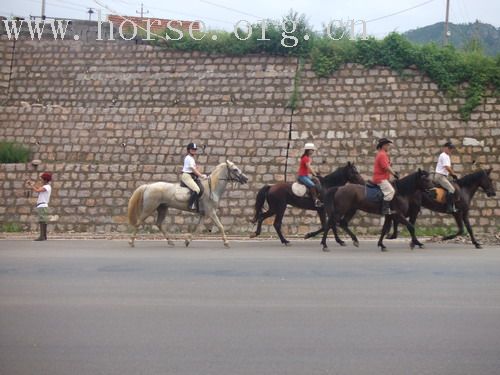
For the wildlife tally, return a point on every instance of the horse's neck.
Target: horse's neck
(220, 183)
(336, 178)
(407, 187)
(468, 191)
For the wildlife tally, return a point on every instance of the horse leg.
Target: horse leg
(344, 224)
(321, 214)
(262, 217)
(131, 242)
(385, 228)
(277, 226)
(213, 215)
(459, 220)
(197, 229)
(146, 212)
(411, 229)
(394, 234)
(326, 228)
(469, 229)
(162, 213)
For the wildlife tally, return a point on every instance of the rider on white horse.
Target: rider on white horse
(190, 175)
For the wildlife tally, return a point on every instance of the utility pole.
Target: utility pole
(43, 9)
(142, 11)
(446, 31)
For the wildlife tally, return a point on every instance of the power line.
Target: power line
(401, 11)
(230, 9)
(72, 4)
(170, 11)
(55, 5)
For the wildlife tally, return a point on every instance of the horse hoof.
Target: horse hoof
(356, 243)
(307, 236)
(326, 249)
(253, 235)
(171, 243)
(131, 243)
(412, 245)
(393, 237)
(226, 244)
(478, 246)
(187, 242)
(383, 249)
(287, 243)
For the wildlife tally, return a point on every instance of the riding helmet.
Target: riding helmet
(382, 141)
(192, 146)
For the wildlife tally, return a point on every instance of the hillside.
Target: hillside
(461, 35)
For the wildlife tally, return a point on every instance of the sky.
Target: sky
(382, 16)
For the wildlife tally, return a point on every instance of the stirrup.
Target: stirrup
(318, 203)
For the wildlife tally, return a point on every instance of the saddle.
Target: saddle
(198, 182)
(373, 192)
(438, 194)
(300, 190)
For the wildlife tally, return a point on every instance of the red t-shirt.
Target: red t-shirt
(380, 166)
(303, 170)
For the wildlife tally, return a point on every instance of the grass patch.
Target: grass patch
(11, 152)
(11, 228)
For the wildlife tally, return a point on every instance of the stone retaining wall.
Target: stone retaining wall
(107, 117)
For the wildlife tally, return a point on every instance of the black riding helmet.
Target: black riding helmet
(192, 146)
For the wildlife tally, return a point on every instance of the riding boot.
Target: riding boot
(450, 203)
(43, 232)
(386, 207)
(315, 197)
(192, 200)
(199, 207)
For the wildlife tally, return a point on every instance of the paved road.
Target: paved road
(100, 307)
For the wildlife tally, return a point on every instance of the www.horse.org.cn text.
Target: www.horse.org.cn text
(175, 30)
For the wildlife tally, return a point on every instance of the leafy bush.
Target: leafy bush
(11, 152)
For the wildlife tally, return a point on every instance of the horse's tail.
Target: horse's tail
(259, 202)
(135, 205)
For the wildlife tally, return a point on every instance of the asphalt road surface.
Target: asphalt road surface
(100, 307)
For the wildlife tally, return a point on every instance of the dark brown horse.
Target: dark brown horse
(467, 187)
(342, 203)
(278, 196)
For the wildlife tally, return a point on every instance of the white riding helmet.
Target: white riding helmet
(309, 146)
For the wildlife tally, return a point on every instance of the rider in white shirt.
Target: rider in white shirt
(190, 174)
(443, 170)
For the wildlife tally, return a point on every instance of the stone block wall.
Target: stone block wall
(106, 117)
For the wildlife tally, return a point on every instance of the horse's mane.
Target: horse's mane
(213, 181)
(336, 177)
(407, 184)
(469, 179)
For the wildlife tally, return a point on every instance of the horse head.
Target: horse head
(424, 180)
(235, 174)
(352, 174)
(487, 184)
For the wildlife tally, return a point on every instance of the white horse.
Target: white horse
(159, 196)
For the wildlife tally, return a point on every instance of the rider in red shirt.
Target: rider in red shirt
(305, 170)
(382, 170)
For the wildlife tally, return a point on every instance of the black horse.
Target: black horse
(466, 188)
(278, 196)
(341, 204)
